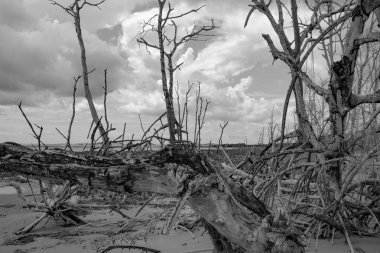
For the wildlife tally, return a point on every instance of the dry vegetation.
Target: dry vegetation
(317, 181)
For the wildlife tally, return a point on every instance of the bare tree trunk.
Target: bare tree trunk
(87, 91)
(68, 144)
(105, 100)
(232, 211)
(171, 42)
(168, 93)
(222, 127)
(339, 94)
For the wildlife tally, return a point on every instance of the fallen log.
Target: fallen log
(234, 212)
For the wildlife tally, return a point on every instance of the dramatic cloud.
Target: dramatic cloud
(39, 56)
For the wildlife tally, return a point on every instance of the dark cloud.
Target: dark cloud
(27, 60)
(144, 6)
(111, 34)
(32, 98)
(271, 80)
(15, 15)
(45, 60)
(39, 55)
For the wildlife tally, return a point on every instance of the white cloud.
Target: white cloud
(187, 58)
(238, 91)
(39, 56)
(135, 101)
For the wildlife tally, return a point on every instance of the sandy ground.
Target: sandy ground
(57, 238)
(145, 231)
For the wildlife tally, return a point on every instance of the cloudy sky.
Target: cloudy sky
(39, 56)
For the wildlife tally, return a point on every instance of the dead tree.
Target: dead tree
(200, 114)
(234, 216)
(167, 44)
(331, 149)
(237, 220)
(74, 10)
(339, 95)
(222, 127)
(35, 135)
(105, 100)
(68, 137)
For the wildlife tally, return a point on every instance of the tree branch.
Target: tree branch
(171, 172)
(184, 14)
(316, 88)
(146, 43)
(356, 100)
(91, 4)
(69, 10)
(277, 54)
(368, 38)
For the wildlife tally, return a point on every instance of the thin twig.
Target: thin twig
(145, 249)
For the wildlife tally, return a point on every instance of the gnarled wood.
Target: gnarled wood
(241, 223)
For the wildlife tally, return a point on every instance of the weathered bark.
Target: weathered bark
(68, 144)
(340, 89)
(240, 217)
(167, 46)
(87, 91)
(168, 93)
(339, 95)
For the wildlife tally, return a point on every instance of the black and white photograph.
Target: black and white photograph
(190, 126)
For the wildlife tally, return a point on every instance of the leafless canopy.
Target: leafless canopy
(75, 7)
(169, 40)
(74, 10)
(346, 25)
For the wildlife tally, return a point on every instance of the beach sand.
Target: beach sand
(56, 238)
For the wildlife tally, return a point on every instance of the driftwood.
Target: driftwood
(55, 207)
(227, 206)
